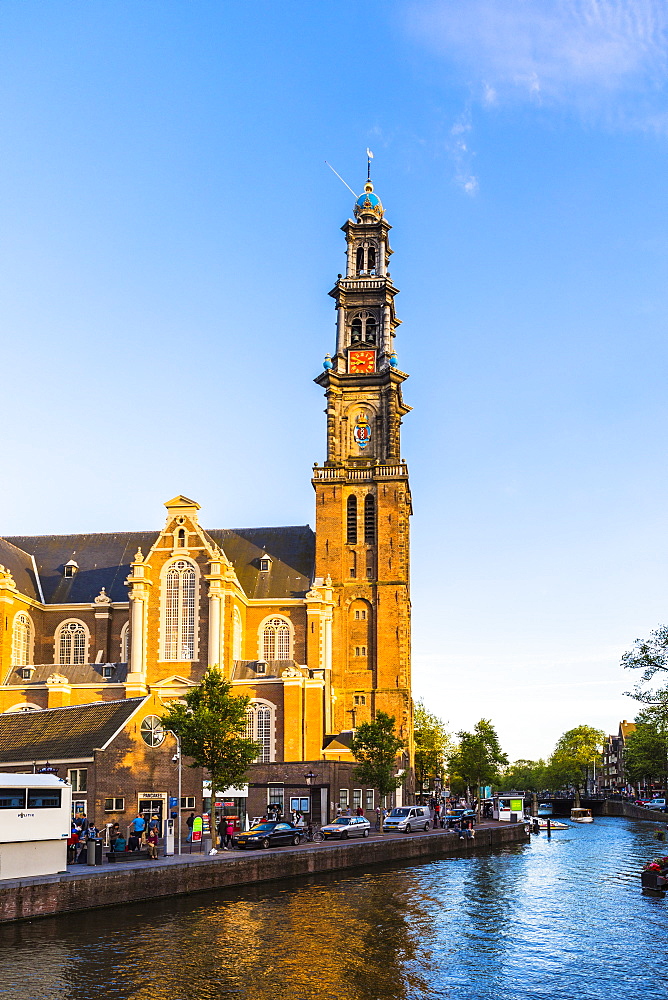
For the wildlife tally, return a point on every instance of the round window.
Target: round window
(152, 731)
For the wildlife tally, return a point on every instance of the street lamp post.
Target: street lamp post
(178, 800)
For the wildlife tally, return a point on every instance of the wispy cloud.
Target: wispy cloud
(462, 155)
(602, 56)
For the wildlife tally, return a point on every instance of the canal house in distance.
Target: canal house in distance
(314, 626)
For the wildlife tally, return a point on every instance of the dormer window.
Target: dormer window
(265, 564)
(261, 667)
(70, 568)
(26, 673)
(107, 671)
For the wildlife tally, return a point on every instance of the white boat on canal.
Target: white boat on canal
(581, 816)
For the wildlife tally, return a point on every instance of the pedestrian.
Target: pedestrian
(152, 845)
(222, 831)
(154, 824)
(138, 827)
(189, 823)
(229, 833)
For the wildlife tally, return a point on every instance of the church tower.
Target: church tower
(363, 499)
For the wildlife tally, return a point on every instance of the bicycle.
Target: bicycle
(314, 837)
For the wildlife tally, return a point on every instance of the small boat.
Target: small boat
(555, 824)
(581, 816)
(544, 808)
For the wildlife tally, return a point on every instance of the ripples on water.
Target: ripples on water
(562, 919)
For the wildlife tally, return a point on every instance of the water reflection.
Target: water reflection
(561, 918)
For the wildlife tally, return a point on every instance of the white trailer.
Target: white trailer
(35, 823)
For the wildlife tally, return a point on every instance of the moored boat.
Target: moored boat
(555, 824)
(581, 816)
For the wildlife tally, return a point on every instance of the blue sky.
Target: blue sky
(169, 235)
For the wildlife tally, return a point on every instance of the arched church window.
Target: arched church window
(370, 330)
(371, 260)
(180, 585)
(72, 642)
(259, 728)
(236, 635)
(21, 640)
(351, 521)
(181, 538)
(370, 519)
(276, 644)
(125, 643)
(356, 330)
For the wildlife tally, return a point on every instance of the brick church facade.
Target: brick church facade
(314, 626)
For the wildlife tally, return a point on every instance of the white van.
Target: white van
(407, 818)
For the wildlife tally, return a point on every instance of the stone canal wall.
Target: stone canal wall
(70, 892)
(613, 807)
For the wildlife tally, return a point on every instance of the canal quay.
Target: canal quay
(559, 918)
(83, 888)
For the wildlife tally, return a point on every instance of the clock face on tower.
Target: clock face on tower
(360, 362)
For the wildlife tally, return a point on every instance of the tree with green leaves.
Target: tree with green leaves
(478, 757)
(646, 748)
(376, 747)
(651, 657)
(432, 745)
(525, 775)
(211, 724)
(576, 751)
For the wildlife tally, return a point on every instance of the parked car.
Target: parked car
(346, 826)
(455, 816)
(407, 818)
(269, 834)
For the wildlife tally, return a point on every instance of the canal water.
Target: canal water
(562, 919)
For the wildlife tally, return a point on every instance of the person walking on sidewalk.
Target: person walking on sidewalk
(229, 833)
(189, 823)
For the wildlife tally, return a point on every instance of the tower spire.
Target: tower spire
(369, 158)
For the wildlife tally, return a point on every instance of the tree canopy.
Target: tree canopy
(646, 748)
(211, 726)
(432, 744)
(651, 657)
(375, 747)
(525, 776)
(576, 751)
(479, 756)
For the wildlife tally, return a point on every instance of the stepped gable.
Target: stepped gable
(103, 561)
(62, 733)
(19, 563)
(291, 550)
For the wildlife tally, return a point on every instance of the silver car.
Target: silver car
(346, 826)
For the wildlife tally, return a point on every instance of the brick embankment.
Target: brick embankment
(112, 885)
(614, 807)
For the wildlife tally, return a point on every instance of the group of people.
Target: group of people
(143, 834)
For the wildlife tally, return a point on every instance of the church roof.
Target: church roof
(21, 567)
(76, 673)
(62, 733)
(292, 553)
(103, 560)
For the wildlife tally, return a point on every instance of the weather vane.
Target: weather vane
(369, 158)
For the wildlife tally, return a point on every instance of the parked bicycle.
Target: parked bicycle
(312, 836)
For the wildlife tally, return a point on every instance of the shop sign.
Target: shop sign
(197, 829)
